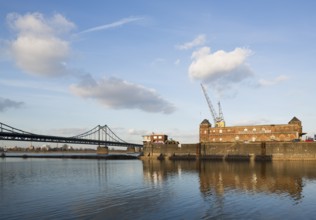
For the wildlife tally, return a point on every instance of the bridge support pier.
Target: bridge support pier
(103, 150)
(130, 150)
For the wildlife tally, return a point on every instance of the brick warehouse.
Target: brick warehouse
(251, 133)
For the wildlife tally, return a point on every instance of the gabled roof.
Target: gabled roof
(294, 120)
(205, 121)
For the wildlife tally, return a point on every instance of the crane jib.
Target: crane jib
(218, 118)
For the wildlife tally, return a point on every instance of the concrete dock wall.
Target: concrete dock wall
(256, 150)
(154, 150)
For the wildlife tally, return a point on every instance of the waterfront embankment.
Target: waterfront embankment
(233, 151)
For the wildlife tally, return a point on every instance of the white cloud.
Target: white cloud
(39, 48)
(119, 94)
(277, 80)
(198, 41)
(8, 103)
(60, 24)
(209, 66)
(221, 69)
(112, 25)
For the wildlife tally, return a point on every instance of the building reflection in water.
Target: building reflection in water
(216, 178)
(156, 171)
(276, 177)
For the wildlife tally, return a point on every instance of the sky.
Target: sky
(137, 66)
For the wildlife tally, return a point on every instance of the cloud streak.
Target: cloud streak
(8, 103)
(198, 41)
(31, 84)
(116, 93)
(112, 25)
(67, 131)
(258, 121)
(275, 81)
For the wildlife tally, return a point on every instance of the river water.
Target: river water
(36, 188)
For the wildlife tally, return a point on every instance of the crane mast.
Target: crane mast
(221, 115)
(218, 119)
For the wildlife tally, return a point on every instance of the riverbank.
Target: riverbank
(72, 156)
(257, 151)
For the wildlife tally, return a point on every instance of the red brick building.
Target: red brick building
(251, 133)
(155, 138)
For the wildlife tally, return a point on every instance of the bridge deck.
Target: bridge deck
(57, 139)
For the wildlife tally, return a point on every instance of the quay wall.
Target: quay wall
(154, 150)
(254, 150)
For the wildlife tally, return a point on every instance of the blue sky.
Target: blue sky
(67, 66)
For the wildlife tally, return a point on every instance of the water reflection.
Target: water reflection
(276, 178)
(283, 178)
(156, 171)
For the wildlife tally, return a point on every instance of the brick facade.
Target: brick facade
(251, 133)
(155, 138)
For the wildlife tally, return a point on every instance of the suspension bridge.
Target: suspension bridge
(99, 135)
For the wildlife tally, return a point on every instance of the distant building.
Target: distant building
(155, 138)
(251, 133)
